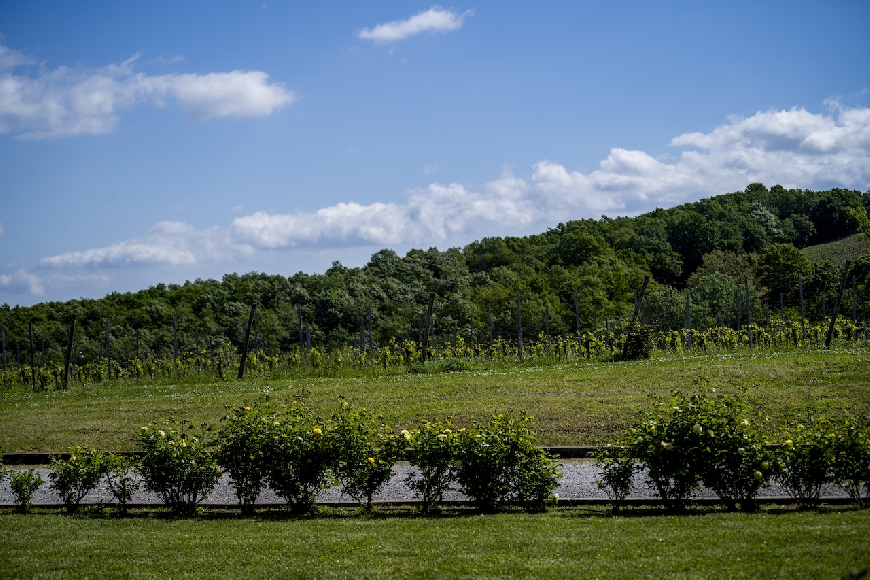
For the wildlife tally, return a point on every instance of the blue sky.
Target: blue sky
(161, 142)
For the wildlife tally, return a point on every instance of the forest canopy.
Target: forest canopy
(712, 248)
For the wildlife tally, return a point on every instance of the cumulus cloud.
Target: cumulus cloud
(436, 19)
(794, 148)
(65, 101)
(22, 282)
(166, 244)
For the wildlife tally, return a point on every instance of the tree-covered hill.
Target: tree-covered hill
(706, 246)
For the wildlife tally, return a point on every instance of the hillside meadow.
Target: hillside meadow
(573, 403)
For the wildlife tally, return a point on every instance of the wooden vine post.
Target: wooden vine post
(639, 300)
(519, 326)
(428, 326)
(69, 348)
(837, 304)
(32, 368)
(247, 338)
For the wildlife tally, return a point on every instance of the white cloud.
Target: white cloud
(22, 282)
(436, 19)
(794, 148)
(166, 243)
(10, 58)
(65, 102)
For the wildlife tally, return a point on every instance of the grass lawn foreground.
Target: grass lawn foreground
(563, 543)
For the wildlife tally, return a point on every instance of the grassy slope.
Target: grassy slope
(850, 248)
(564, 543)
(572, 403)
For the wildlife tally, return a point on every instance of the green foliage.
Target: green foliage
(859, 214)
(176, 465)
(734, 460)
(300, 451)
(804, 463)
(837, 252)
(75, 477)
(617, 473)
(707, 440)
(850, 467)
(121, 479)
(666, 308)
(434, 446)
(669, 448)
(778, 269)
(367, 451)
(603, 261)
(638, 343)
(498, 464)
(240, 448)
(24, 484)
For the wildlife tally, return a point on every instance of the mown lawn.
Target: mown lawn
(564, 543)
(573, 404)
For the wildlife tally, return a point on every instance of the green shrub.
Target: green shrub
(240, 449)
(804, 464)
(638, 343)
(617, 473)
(121, 479)
(367, 449)
(75, 477)
(669, 449)
(434, 450)
(733, 457)
(299, 452)
(703, 439)
(24, 484)
(176, 465)
(498, 464)
(851, 459)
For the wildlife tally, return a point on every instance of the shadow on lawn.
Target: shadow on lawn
(410, 513)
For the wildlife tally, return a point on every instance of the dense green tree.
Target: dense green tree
(778, 269)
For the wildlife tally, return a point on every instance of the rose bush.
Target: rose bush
(176, 465)
(367, 449)
(499, 464)
(435, 445)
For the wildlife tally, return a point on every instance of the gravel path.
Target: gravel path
(578, 483)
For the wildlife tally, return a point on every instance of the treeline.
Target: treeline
(569, 277)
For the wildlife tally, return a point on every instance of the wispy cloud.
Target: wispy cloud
(65, 102)
(436, 19)
(794, 147)
(167, 60)
(166, 244)
(22, 282)
(10, 58)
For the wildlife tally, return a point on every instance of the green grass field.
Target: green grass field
(837, 252)
(573, 404)
(564, 543)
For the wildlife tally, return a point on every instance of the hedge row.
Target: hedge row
(699, 440)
